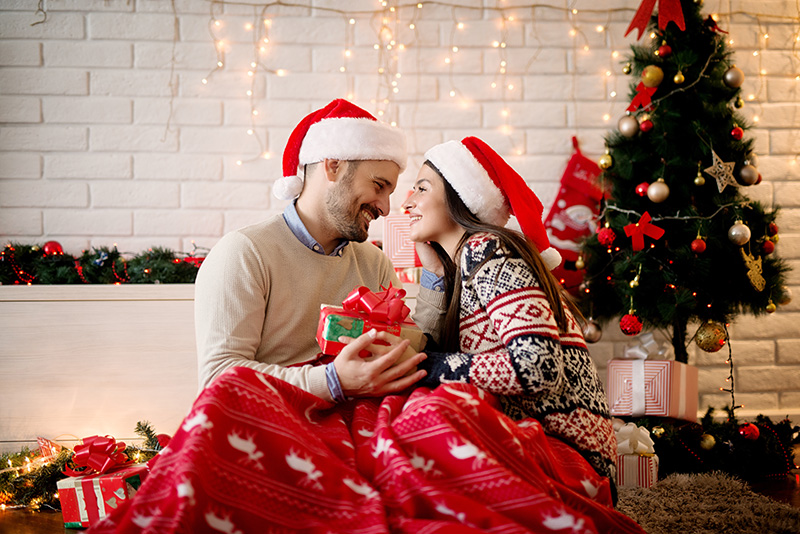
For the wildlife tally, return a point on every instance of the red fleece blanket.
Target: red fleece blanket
(256, 455)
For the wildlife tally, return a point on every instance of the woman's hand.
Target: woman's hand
(429, 259)
(380, 374)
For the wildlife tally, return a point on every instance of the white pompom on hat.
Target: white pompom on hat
(493, 190)
(341, 130)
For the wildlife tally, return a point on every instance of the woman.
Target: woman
(507, 329)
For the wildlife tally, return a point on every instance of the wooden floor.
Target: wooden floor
(786, 490)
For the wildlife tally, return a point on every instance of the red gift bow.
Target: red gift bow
(644, 97)
(637, 231)
(668, 10)
(99, 454)
(385, 307)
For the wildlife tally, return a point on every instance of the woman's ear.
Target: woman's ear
(332, 168)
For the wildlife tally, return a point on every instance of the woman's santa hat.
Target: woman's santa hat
(341, 130)
(492, 190)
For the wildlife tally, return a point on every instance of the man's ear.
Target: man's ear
(333, 168)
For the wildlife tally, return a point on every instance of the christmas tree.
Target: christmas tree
(679, 243)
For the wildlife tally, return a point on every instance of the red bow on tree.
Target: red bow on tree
(643, 98)
(99, 454)
(668, 10)
(637, 231)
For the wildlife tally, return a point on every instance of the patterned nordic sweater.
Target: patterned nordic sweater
(511, 347)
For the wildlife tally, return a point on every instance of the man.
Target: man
(259, 291)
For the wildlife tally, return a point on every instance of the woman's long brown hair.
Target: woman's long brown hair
(515, 241)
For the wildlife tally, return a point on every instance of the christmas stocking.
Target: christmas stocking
(572, 215)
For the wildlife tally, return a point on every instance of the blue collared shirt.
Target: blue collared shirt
(301, 233)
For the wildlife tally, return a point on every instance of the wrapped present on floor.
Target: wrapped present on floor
(637, 464)
(639, 386)
(87, 499)
(363, 310)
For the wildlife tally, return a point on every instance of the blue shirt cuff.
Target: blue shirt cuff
(428, 280)
(334, 386)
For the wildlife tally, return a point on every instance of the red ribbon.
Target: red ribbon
(385, 307)
(99, 454)
(637, 231)
(643, 98)
(668, 10)
(712, 25)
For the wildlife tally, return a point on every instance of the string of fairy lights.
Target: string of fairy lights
(396, 29)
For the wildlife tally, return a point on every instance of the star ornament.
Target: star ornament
(722, 171)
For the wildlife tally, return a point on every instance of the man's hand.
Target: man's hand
(376, 376)
(429, 259)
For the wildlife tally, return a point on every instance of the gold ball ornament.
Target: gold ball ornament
(699, 179)
(710, 336)
(707, 442)
(770, 307)
(739, 233)
(733, 77)
(628, 126)
(652, 76)
(679, 78)
(785, 296)
(657, 431)
(579, 263)
(626, 69)
(658, 191)
(605, 161)
(738, 103)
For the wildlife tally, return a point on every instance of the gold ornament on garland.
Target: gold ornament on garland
(722, 171)
(707, 442)
(679, 78)
(658, 431)
(605, 161)
(652, 75)
(711, 336)
(771, 307)
(738, 103)
(627, 68)
(754, 270)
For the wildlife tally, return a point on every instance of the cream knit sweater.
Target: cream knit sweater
(257, 297)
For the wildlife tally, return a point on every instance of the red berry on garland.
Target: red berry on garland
(646, 125)
(630, 324)
(606, 236)
(737, 133)
(664, 51)
(698, 246)
(772, 229)
(749, 431)
(52, 248)
(767, 247)
(642, 188)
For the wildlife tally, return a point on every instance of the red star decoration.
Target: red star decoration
(637, 231)
(643, 98)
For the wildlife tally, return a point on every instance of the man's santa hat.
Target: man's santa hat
(341, 130)
(492, 190)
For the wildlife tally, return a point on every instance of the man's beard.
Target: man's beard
(344, 215)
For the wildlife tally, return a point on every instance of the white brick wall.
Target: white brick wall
(108, 135)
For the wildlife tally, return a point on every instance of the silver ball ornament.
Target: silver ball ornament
(739, 233)
(748, 175)
(628, 126)
(592, 332)
(658, 191)
(733, 77)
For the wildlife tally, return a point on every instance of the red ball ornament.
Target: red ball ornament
(52, 248)
(163, 440)
(642, 188)
(749, 431)
(772, 229)
(646, 126)
(698, 246)
(767, 247)
(664, 51)
(606, 236)
(758, 180)
(630, 324)
(737, 133)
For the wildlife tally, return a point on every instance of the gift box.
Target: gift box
(397, 242)
(634, 470)
(650, 387)
(363, 310)
(87, 499)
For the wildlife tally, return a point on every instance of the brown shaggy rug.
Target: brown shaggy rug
(712, 503)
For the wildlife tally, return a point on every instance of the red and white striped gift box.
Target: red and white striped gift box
(638, 471)
(663, 388)
(397, 243)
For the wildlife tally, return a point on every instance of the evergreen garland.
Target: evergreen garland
(30, 264)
